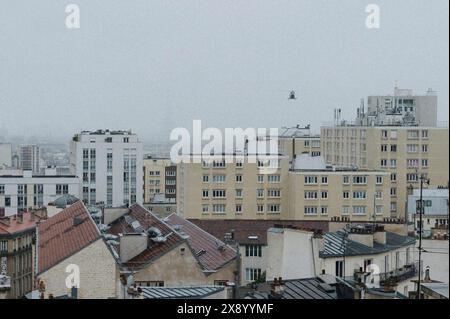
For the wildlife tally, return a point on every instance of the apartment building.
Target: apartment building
(160, 178)
(110, 166)
(17, 235)
(325, 193)
(297, 141)
(215, 188)
(406, 152)
(21, 190)
(306, 190)
(29, 158)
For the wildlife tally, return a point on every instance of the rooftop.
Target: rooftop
(194, 292)
(438, 288)
(334, 245)
(11, 225)
(64, 234)
(214, 253)
(254, 232)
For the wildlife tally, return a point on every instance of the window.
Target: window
(205, 193)
(260, 208)
(205, 178)
(239, 163)
(310, 210)
(238, 208)
(384, 134)
(218, 208)
(359, 210)
(310, 179)
(273, 192)
(393, 134)
(3, 245)
(378, 194)
(379, 210)
(393, 177)
(425, 163)
(379, 180)
(412, 148)
(62, 189)
(339, 268)
(424, 148)
(273, 208)
(2, 189)
(253, 251)
(345, 210)
(219, 193)
(324, 210)
(324, 179)
(310, 195)
(219, 164)
(412, 177)
(272, 178)
(260, 178)
(260, 193)
(424, 134)
(324, 194)
(393, 148)
(205, 208)
(218, 178)
(238, 178)
(359, 179)
(383, 147)
(393, 163)
(346, 179)
(412, 163)
(359, 194)
(345, 194)
(238, 193)
(252, 274)
(383, 163)
(393, 191)
(413, 134)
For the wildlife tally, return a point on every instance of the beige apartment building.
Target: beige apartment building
(294, 143)
(405, 152)
(307, 190)
(159, 179)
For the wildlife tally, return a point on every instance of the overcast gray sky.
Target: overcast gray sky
(152, 65)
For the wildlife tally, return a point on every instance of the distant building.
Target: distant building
(110, 166)
(403, 107)
(5, 155)
(29, 158)
(21, 190)
(161, 205)
(160, 179)
(17, 235)
(435, 202)
(297, 141)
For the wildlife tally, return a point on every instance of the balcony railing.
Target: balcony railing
(400, 274)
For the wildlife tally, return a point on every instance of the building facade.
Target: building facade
(160, 177)
(406, 152)
(5, 155)
(21, 190)
(110, 166)
(29, 158)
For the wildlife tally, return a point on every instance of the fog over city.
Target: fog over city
(154, 65)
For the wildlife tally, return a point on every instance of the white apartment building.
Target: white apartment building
(29, 158)
(110, 165)
(435, 203)
(20, 190)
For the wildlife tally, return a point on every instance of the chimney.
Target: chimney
(379, 235)
(2, 212)
(362, 236)
(20, 217)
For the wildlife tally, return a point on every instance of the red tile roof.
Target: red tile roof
(243, 228)
(59, 238)
(11, 225)
(146, 220)
(212, 258)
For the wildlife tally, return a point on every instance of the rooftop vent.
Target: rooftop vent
(200, 252)
(77, 221)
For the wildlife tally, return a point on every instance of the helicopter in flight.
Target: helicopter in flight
(292, 95)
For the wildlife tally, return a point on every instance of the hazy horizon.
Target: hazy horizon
(151, 66)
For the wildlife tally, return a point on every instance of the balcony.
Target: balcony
(400, 274)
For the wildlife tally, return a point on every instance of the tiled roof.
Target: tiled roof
(13, 226)
(180, 292)
(59, 237)
(146, 220)
(210, 256)
(334, 245)
(255, 229)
